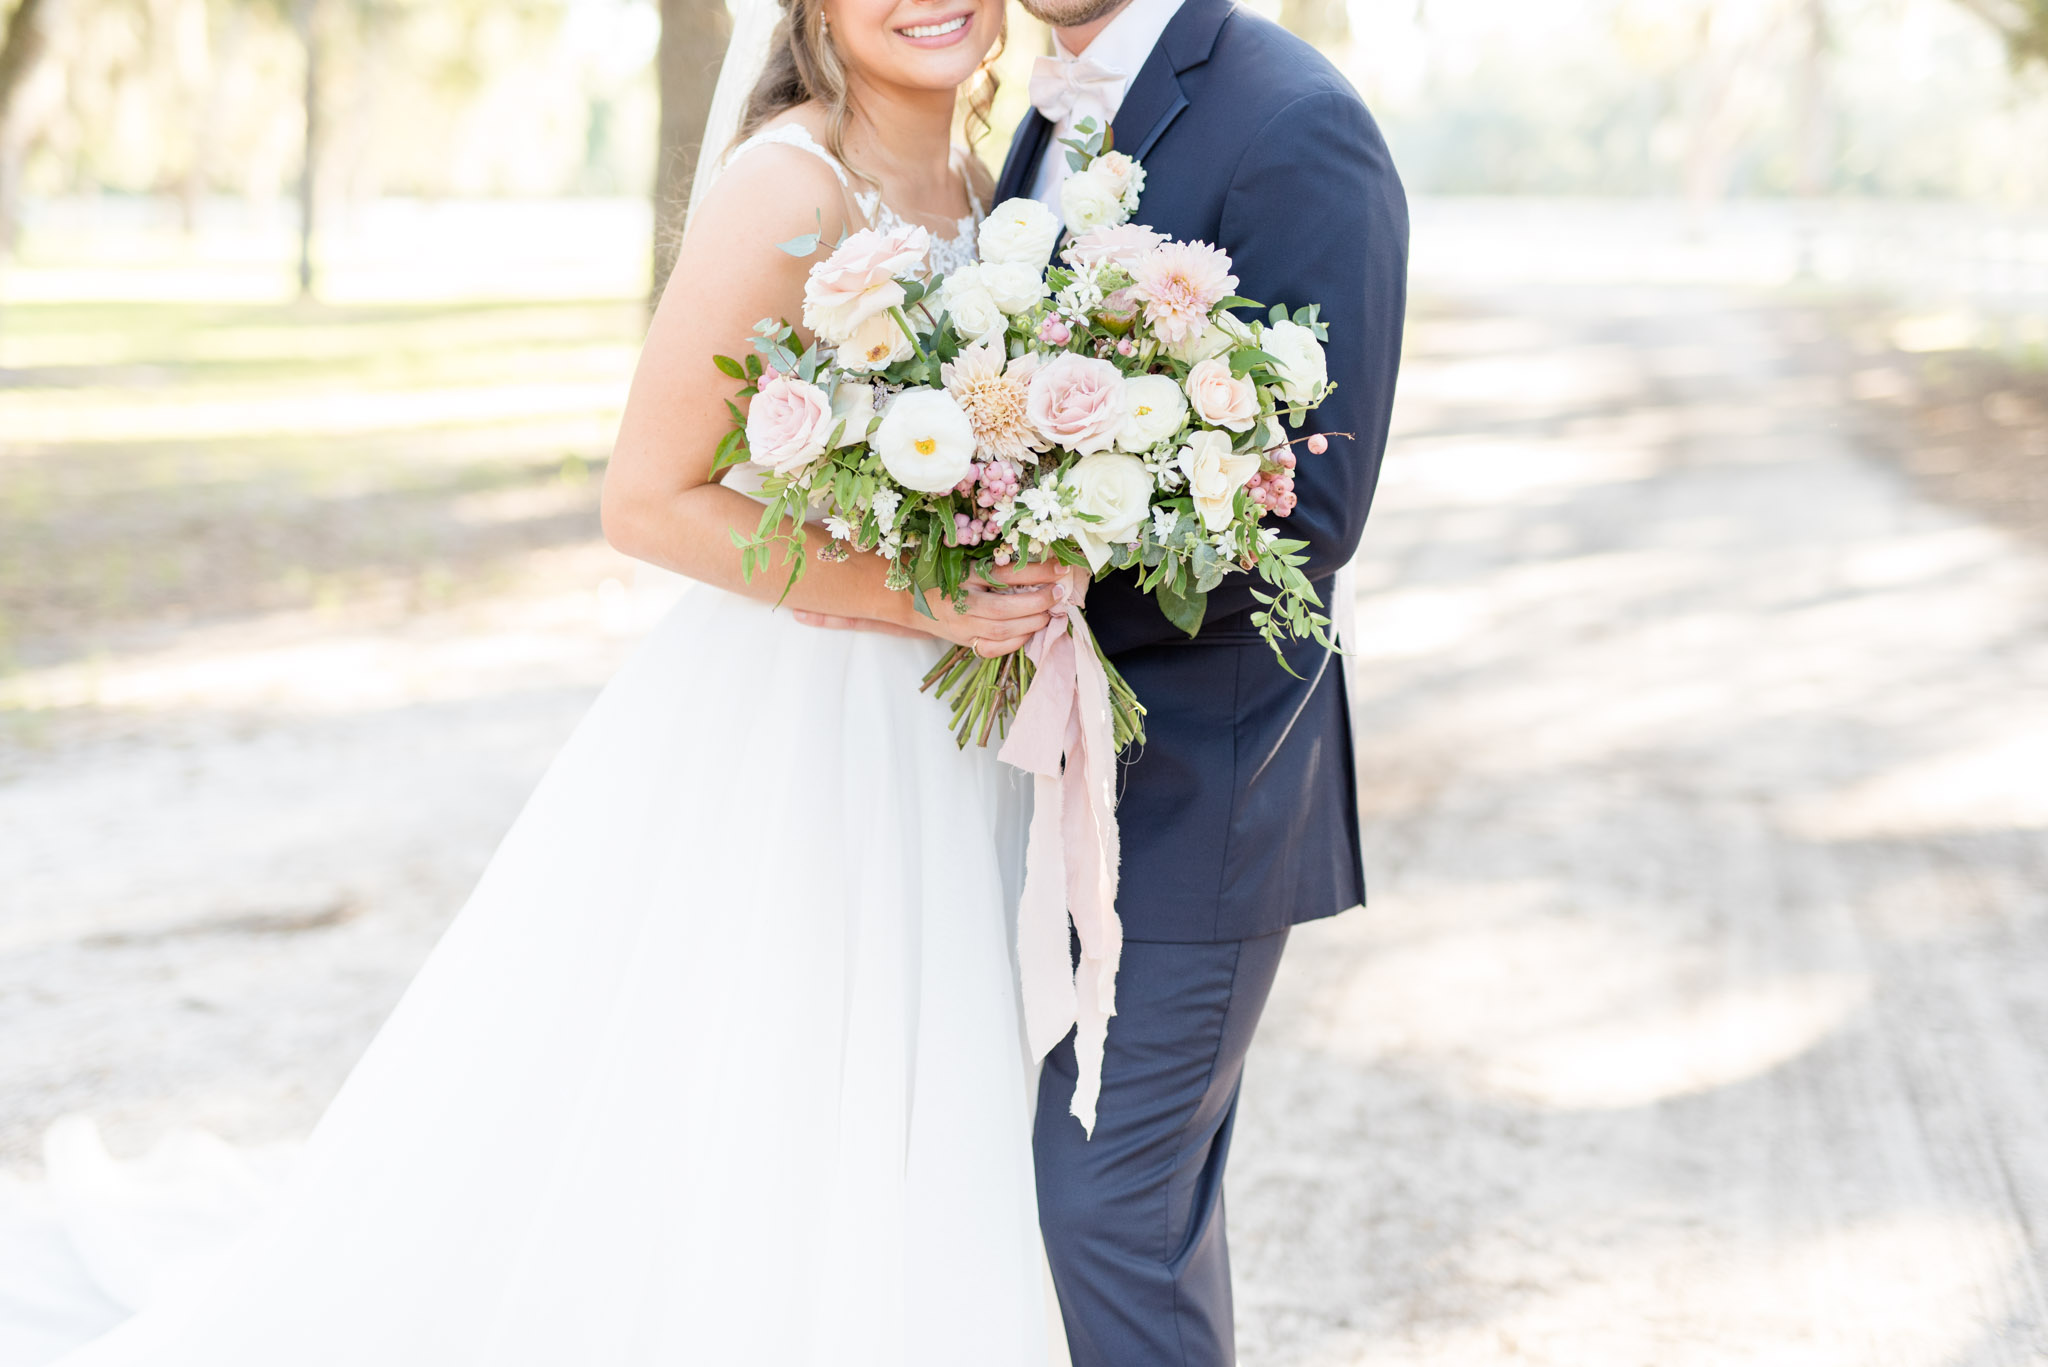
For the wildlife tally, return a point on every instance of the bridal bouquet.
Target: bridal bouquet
(1105, 409)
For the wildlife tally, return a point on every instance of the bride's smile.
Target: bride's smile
(913, 45)
(938, 33)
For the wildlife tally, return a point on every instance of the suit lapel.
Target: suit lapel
(1020, 168)
(1156, 97)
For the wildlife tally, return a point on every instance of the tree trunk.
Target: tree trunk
(693, 34)
(20, 47)
(306, 18)
(1815, 113)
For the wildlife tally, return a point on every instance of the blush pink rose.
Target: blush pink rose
(1118, 246)
(859, 280)
(1077, 402)
(1180, 283)
(788, 423)
(1222, 399)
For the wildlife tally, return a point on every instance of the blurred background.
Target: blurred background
(1701, 1011)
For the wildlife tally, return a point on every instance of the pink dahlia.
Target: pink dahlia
(1180, 283)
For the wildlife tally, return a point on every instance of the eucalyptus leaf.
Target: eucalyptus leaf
(1183, 610)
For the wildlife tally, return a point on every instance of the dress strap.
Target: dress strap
(789, 135)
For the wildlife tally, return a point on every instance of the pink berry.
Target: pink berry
(1287, 460)
(1126, 347)
(1055, 332)
(1318, 444)
(1284, 484)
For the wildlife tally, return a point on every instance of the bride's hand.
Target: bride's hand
(1001, 615)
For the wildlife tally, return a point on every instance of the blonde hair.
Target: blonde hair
(803, 66)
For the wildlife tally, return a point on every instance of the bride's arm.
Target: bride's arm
(660, 502)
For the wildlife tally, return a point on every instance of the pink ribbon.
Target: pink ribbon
(1062, 734)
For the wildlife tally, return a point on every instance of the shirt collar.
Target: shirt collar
(1128, 39)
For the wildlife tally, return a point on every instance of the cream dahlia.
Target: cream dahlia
(993, 395)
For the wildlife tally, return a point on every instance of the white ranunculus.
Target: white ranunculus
(977, 316)
(853, 403)
(1271, 435)
(1157, 410)
(925, 441)
(1090, 201)
(1019, 232)
(1303, 369)
(878, 343)
(1014, 287)
(1215, 473)
(1114, 488)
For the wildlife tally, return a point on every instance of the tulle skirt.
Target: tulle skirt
(721, 1063)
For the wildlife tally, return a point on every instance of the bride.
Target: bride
(722, 1062)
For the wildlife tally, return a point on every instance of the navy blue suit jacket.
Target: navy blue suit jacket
(1239, 815)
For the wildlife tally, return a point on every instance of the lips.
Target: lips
(938, 28)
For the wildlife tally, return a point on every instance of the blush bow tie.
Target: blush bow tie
(1064, 88)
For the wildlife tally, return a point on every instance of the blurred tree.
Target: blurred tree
(1813, 118)
(2023, 23)
(20, 46)
(1326, 23)
(693, 34)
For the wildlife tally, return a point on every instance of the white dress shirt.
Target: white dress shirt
(1122, 46)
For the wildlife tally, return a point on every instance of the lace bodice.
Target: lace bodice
(949, 253)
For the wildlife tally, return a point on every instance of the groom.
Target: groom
(1239, 816)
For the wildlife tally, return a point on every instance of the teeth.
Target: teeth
(936, 30)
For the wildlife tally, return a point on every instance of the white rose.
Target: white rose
(853, 403)
(1019, 232)
(1220, 336)
(1157, 409)
(1013, 286)
(1215, 473)
(1303, 369)
(925, 441)
(1114, 488)
(878, 343)
(1089, 201)
(976, 314)
(1123, 175)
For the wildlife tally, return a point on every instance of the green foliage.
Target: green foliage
(2022, 23)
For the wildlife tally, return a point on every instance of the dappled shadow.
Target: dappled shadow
(1696, 1014)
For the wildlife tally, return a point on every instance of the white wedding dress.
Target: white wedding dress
(721, 1064)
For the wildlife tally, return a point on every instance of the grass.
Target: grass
(171, 462)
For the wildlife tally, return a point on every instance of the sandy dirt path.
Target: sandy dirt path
(1699, 1016)
(1701, 1011)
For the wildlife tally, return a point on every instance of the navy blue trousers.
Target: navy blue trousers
(1133, 1218)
